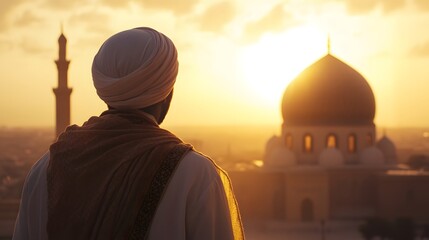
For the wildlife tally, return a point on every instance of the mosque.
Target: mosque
(328, 163)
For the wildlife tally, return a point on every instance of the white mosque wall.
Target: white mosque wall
(365, 137)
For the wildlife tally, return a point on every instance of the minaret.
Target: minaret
(62, 92)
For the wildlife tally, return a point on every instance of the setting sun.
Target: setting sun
(270, 64)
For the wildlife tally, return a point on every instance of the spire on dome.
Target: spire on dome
(329, 44)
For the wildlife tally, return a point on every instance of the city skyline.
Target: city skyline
(234, 66)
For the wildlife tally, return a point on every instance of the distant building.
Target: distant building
(327, 164)
(62, 92)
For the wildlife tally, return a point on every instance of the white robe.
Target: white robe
(194, 205)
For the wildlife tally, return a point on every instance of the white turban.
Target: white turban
(135, 68)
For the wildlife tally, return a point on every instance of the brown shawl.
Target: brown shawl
(100, 174)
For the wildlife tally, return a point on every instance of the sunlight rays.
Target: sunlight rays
(270, 64)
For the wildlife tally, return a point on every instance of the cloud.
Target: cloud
(274, 21)
(216, 17)
(421, 50)
(64, 4)
(422, 4)
(116, 3)
(26, 18)
(6, 7)
(360, 6)
(91, 21)
(95, 26)
(5, 45)
(178, 7)
(364, 6)
(392, 5)
(31, 46)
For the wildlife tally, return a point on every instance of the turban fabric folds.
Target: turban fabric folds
(135, 68)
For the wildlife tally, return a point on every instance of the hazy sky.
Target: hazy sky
(236, 56)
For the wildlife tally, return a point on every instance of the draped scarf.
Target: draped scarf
(100, 174)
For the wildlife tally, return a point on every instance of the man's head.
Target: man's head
(136, 69)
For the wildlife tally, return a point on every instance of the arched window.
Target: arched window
(308, 143)
(307, 210)
(369, 140)
(331, 141)
(289, 141)
(351, 143)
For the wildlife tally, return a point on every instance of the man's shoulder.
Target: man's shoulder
(40, 166)
(196, 165)
(197, 158)
(35, 183)
(199, 161)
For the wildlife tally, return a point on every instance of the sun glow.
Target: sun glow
(270, 64)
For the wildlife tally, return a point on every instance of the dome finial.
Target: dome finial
(329, 44)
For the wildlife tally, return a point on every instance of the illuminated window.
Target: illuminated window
(331, 141)
(351, 143)
(369, 140)
(308, 143)
(289, 141)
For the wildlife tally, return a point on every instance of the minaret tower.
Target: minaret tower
(62, 92)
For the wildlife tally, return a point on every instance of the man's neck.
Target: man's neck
(150, 116)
